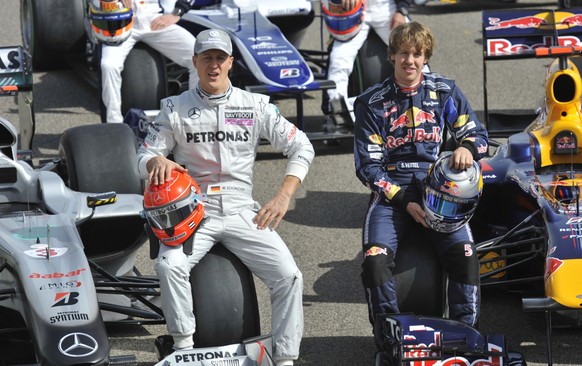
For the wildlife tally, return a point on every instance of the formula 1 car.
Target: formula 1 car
(70, 231)
(529, 217)
(268, 59)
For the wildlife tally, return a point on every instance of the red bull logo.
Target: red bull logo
(374, 251)
(451, 188)
(419, 136)
(412, 118)
(521, 23)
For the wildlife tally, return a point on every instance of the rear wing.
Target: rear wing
(526, 33)
(16, 79)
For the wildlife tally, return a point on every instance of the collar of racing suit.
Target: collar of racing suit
(406, 89)
(212, 100)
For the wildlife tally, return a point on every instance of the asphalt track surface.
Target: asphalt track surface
(323, 225)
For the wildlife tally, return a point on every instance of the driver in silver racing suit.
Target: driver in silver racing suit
(216, 137)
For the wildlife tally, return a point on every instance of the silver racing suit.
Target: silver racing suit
(174, 42)
(216, 138)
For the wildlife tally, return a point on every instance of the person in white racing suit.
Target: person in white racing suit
(214, 130)
(154, 24)
(381, 16)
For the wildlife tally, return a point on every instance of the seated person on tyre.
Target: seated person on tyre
(399, 134)
(214, 130)
(154, 23)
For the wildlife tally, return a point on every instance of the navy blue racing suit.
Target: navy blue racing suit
(398, 134)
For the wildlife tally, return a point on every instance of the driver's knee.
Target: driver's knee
(172, 263)
(462, 263)
(378, 265)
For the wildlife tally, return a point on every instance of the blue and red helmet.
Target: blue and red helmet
(450, 196)
(342, 24)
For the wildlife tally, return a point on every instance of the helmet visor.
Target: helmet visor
(110, 24)
(168, 216)
(448, 206)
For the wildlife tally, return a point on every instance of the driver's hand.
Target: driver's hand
(417, 213)
(160, 169)
(273, 212)
(164, 21)
(349, 4)
(462, 158)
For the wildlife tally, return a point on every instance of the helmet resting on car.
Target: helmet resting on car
(110, 20)
(450, 196)
(342, 24)
(174, 209)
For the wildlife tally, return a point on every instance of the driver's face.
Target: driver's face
(213, 67)
(408, 64)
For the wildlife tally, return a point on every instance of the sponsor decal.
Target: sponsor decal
(218, 136)
(10, 61)
(60, 285)
(374, 147)
(412, 117)
(376, 156)
(502, 46)
(377, 139)
(239, 118)
(170, 105)
(44, 251)
(74, 273)
(419, 136)
(574, 220)
(552, 265)
(78, 345)
(565, 142)
(202, 356)
(65, 299)
(490, 262)
(289, 73)
(374, 251)
(194, 113)
(522, 22)
(451, 188)
(68, 316)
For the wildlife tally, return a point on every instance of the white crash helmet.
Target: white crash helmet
(110, 20)
(342, 24)
(450, 196)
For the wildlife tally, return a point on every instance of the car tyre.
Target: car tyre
(50, 29)
(100, 158)
(371, 65)
(420, 279)
(225, 300)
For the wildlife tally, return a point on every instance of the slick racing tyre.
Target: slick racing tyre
(101, 158)
(225, 300)
(371, 65)
(420, 280)
(50, 29)
(144, 81)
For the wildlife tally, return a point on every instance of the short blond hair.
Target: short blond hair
(412, 34)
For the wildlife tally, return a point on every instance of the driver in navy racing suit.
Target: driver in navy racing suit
(400, 130)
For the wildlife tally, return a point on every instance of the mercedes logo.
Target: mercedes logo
(159, 198)
(77, 345)
(194, 113)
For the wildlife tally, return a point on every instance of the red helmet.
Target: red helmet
(174, 209)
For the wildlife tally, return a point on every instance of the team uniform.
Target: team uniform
(399, 133)
(174, 42)
(216, 137)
